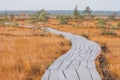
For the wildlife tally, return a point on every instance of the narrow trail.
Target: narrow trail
(78, 63)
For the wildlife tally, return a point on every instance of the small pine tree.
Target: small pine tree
(112, 16)
(87, 13)
(63, 19)
(12, 16)
(40, 16)
(101, 23)
(4, 19)
(76, 15)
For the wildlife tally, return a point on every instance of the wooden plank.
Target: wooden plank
(65, 64)
(57, 75)
(83, 64)
(94, 74)
(66, 56)
(87, 47)
(71, 75)
(84, 74)
(54, 75)
(88, 55)
(75, 55)
(91, 65)
(94, 54)
(74, 65)
(61, 75)
(79, 58)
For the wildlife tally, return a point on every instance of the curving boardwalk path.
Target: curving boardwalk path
(78, 63)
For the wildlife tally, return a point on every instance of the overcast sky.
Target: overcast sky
(109, 5)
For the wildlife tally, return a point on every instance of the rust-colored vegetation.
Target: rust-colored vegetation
(26, 57)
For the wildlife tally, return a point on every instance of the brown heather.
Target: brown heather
(26, 57)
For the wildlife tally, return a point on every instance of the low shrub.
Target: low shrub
(8, 24)
(104, 48)
(118, 25)
(113, 28)
(109, 33)
(101, 23)
(63, 19)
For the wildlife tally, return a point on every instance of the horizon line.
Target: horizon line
(60, 10)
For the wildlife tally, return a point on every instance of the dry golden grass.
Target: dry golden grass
(112, 43)
(25, 57)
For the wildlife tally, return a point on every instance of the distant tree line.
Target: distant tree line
(42, 17)
(77, 16)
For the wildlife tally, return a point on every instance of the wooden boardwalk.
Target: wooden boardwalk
(78, 63)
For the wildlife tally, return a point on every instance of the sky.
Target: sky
(105, 5)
